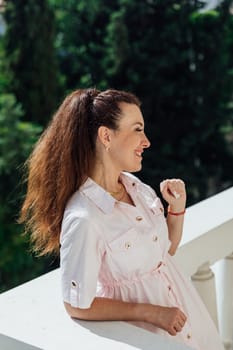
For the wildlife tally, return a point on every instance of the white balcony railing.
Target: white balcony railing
(32, 315)
(206, 254)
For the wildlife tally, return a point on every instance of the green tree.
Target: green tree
(81, 31)
(16, 139)
(178, 62)
(31, 62)
(177, 59)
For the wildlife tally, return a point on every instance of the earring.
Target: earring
(107, 148)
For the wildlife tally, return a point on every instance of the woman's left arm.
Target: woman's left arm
(174, 193)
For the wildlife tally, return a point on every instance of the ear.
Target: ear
(104, 135)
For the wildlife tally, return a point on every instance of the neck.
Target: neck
(108, 178)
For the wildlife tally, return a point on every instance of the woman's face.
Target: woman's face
(128, 142)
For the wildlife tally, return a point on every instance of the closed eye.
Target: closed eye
(139, 129)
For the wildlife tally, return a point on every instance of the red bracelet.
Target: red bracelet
(177, 214)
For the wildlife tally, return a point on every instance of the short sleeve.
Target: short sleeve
(81, 251)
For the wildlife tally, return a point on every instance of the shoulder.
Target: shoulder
(80, 206)
(78, 219)
(76, 209)
(141, 186)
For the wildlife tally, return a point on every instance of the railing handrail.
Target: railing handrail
(32, 315)
(218, 208)
(208, 223)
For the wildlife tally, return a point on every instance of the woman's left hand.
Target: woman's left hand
(174, 193)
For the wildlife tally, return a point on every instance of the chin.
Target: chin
(133, 169)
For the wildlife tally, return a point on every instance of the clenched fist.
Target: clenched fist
(171, 319)
(174, 193)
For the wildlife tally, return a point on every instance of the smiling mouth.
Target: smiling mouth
(139, 154)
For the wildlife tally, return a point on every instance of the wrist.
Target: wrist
(176, 212)
(176, 208)
(150, 313)
(144, 312)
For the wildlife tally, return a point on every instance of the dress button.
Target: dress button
(127, 245)
(74, 284)
(169, 287)
(155, 238)
(189, 336)
(139, 218)
(133, 184)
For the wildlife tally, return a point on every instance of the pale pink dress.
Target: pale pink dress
(116, 250)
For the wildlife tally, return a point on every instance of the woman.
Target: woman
(116, 246)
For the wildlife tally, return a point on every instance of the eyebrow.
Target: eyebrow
(141, 124)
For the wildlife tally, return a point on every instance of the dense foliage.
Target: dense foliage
(29, 45)
(16, 140)
(178, 60)
(175, 57)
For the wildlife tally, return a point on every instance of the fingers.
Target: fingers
(174, 186)
(171, 319)
(177, 322)
(173, 191)
(179, 325)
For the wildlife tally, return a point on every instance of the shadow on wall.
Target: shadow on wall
(128, 335)
(8, 343)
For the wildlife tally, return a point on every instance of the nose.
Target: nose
(146, 142)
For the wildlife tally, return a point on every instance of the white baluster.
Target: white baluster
(204, 281)
(225, 300)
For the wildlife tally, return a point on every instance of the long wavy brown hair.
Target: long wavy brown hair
(62, 159)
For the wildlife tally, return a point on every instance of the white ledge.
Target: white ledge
(208, 232)
(32, 317)
(207, 215)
